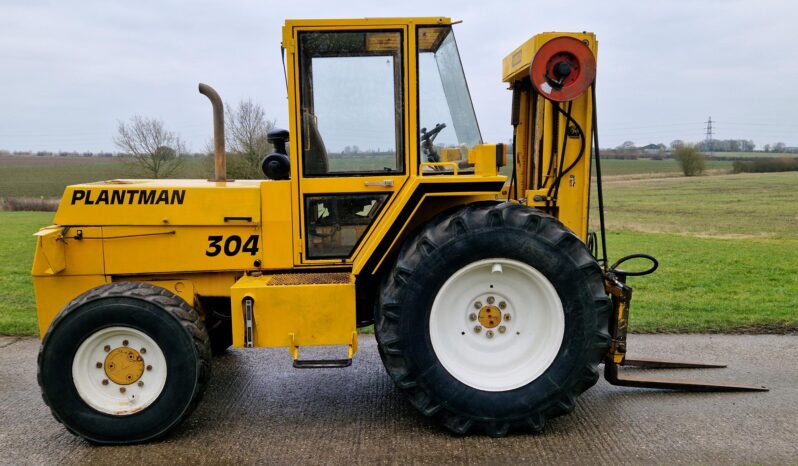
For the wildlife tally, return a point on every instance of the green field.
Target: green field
(742, 206)
(652, 168)
(30, 176)
(728, 246)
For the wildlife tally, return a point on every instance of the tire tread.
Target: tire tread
(435, 234)
(188, 318)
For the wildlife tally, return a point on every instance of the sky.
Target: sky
(70, 71)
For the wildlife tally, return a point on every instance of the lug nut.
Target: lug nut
(143, 351)
(477, 329)
(502, 305)
(124, 342)
(149, 368)
(107, 348)
(491, 299)
(489, 334)
(472, 317)
(507, 316)
(122, 389)
(141, 384)
(105, 381)
(99, 365)
(502, 329)
(477, 305)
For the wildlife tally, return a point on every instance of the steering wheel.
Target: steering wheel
(427, 139)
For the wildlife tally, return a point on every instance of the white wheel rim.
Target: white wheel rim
(509, 357)
(99, 390)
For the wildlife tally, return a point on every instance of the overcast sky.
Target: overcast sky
(69, 71)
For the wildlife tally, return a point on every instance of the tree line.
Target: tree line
(160, 152)
(714, 145)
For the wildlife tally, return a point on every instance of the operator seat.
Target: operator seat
(314, 153)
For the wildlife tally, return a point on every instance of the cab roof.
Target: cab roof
(433, 20)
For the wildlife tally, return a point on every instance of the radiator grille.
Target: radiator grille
(309, 279)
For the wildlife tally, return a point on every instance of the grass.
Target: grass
(750, 205)
(728, 248)
(712, 285)
(17, 305)
(615, 167)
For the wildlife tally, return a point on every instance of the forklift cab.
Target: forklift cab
(372, 103)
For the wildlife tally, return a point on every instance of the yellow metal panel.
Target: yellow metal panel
(277, 232)
(160, 202)
(574, 188)
(574, 192)
(212, 283)
(516, 65)
(483, 157)
(450, 154)
(55, 292)
(168, 249)
(315, 314)
(523, 149)
(182, 288)
(200, 283)
(403, 198)
(50, 257)
(63, 254)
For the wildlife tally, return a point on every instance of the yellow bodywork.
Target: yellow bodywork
(246, 239)
(535, 140)
(293, 310)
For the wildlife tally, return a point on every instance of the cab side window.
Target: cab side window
(351, 103)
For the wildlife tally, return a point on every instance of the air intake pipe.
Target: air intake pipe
(220, 163)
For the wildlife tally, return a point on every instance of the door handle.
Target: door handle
(237, 219)
(383, 183)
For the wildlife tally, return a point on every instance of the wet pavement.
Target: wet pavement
(258, 409)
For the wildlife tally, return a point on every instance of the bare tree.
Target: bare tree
(153, 148)
(676, 143)
(246, 127)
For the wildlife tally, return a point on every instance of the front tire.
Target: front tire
(124, 363)
(493, 317)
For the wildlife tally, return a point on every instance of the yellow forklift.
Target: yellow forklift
(381, 205)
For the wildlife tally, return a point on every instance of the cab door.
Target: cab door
(352, 143)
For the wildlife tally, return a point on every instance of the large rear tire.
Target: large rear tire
(493, 317)
(124, 363)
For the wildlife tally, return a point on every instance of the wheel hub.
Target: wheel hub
(124, 366)
(490, 316)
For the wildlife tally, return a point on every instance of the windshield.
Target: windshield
(446, 114)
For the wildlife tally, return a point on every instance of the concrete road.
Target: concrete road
(258, 409)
